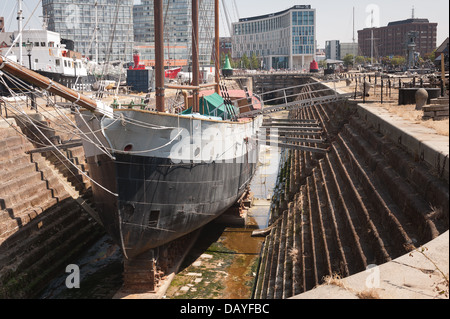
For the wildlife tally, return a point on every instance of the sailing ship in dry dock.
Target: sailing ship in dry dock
(159, 176)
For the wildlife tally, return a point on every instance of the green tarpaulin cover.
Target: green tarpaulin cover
(213, 105)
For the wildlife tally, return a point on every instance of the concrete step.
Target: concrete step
(273, 262)
(288, 251)
(279, 273)
(14, 151)
(13, 185)
(435, 108)
(409, 168)
(46, 225)
(296, 253)
(440, 100)
(10, 141)
(307, 265)
(316, 242)
(403, 179)
(29, 177)
(27, 191)
(401, 230)
(14, 167)
(348, 220)
(371, 225)
(11, 221)
(331, 259)
(261, 287)
(27, 281)
(338, 226)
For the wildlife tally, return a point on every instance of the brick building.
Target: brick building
(391, 40)
(2, 24)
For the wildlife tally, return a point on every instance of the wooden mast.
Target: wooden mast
(195, 56)
(47, 84)
(159, 55)
(217, 44)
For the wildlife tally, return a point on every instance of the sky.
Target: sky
(334, 18)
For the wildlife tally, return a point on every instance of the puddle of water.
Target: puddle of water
(223, 262)
(242, 271)
(222, 265)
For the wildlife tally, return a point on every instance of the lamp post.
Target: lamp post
(29, 47)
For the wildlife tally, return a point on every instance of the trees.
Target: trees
(360, 59)
(245, 62)
(398, 60)
(254, 62)
(348, 60)
(430, 56)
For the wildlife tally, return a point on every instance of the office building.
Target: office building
(77, 20)
(333, 50)
(282, 40)
(392, 39)
(177, 32)
(348, 48)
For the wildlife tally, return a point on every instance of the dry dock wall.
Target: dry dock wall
(43, 219)
(369, 201)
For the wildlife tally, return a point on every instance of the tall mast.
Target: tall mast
(96, 31)
(159, 55)
(19, 19)
(217, 44)
(195, 55)
(353, 24)
(371, 41)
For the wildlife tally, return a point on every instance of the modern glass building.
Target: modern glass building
(177, 31)
(77, 20)
(282, 40)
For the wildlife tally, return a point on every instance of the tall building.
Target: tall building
(392, 39)
(283, 40)
(333, 50)
(177, 31)
(76, 20)
(349, 48)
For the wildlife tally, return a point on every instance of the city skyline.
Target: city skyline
(327, 11)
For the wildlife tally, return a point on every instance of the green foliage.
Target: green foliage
(245, 62)
(360, 59)
(254, 62)
(398, 60)
(348, 59)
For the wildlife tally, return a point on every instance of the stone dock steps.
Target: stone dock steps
(42, 228)
(365, 202)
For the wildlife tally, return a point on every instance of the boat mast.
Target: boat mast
(19, 19)
(195, 56)
(96, 32)
(159, 55)
(353, 24)
(217, 44)
(371, 40)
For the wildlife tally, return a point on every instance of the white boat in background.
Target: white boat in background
(44, 52)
